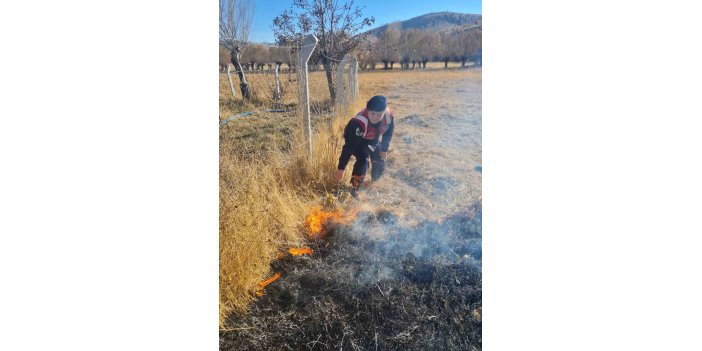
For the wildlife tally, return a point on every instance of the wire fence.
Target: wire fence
(273, 82)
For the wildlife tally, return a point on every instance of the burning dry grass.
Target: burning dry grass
(268, 187)
(262, 285)
(299, 251)
(263, 200)
(317, 219)
(417, 289)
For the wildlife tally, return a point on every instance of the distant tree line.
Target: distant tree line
(410, 49)
(335, 24)
(258, 57)
(417, 47)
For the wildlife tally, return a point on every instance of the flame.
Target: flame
(317, 219)
(300, 251)
(264, 283)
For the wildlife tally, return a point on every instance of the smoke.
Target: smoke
(426, 211)
(379, 247)
(374, 283)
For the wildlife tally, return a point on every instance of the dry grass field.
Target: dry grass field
(268, 186)
(437, 143)
(263, 84)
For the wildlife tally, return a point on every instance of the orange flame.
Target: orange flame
(264, 283)
(300, 251)
(317, 219)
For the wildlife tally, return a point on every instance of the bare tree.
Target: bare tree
(373, 58)
(334, 22)
(366, 53)
(224, 60)
(449, 47)
(409, 42)
(429, 46)
(256, 56)
(468, 44)
(235, 18)
(277, 55)
(388, 47)
(478, 57)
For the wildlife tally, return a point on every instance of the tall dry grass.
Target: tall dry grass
(268, 185)
(267, 188)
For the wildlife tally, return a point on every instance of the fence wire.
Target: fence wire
(279, 92)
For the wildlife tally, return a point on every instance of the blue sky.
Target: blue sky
(384, 11)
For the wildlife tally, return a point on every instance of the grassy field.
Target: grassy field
(263, 84)
(268, 186)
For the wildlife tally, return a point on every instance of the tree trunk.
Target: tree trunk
(236, 55)
(446, 63)
(392, 63)
(463, 62)
(330, 82)
(386, 64)
(413, 64)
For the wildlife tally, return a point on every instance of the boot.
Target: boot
(356, 182)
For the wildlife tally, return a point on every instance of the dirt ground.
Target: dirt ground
(435, 160)
(405, 274)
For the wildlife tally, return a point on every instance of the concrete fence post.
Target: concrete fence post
(353, 79)
(304, 96)
(229, 75)
(276, 94)
(342, 92)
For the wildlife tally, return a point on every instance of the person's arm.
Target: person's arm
(387, 137)
(353, 134)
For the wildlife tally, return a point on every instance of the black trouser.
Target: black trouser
(362, 153)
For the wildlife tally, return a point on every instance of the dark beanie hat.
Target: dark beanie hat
(377, 103)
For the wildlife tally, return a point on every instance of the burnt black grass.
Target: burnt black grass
(416, 288)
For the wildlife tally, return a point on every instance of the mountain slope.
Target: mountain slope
(439, 21)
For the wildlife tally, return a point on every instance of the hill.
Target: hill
(439, 21)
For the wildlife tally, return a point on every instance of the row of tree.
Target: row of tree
(259, 57)
(415, 47)
(336, 25)
(421, 46)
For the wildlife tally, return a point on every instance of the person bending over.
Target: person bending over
(367, 135)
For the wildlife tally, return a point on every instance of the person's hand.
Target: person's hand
(383, 155)
(339, 174)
